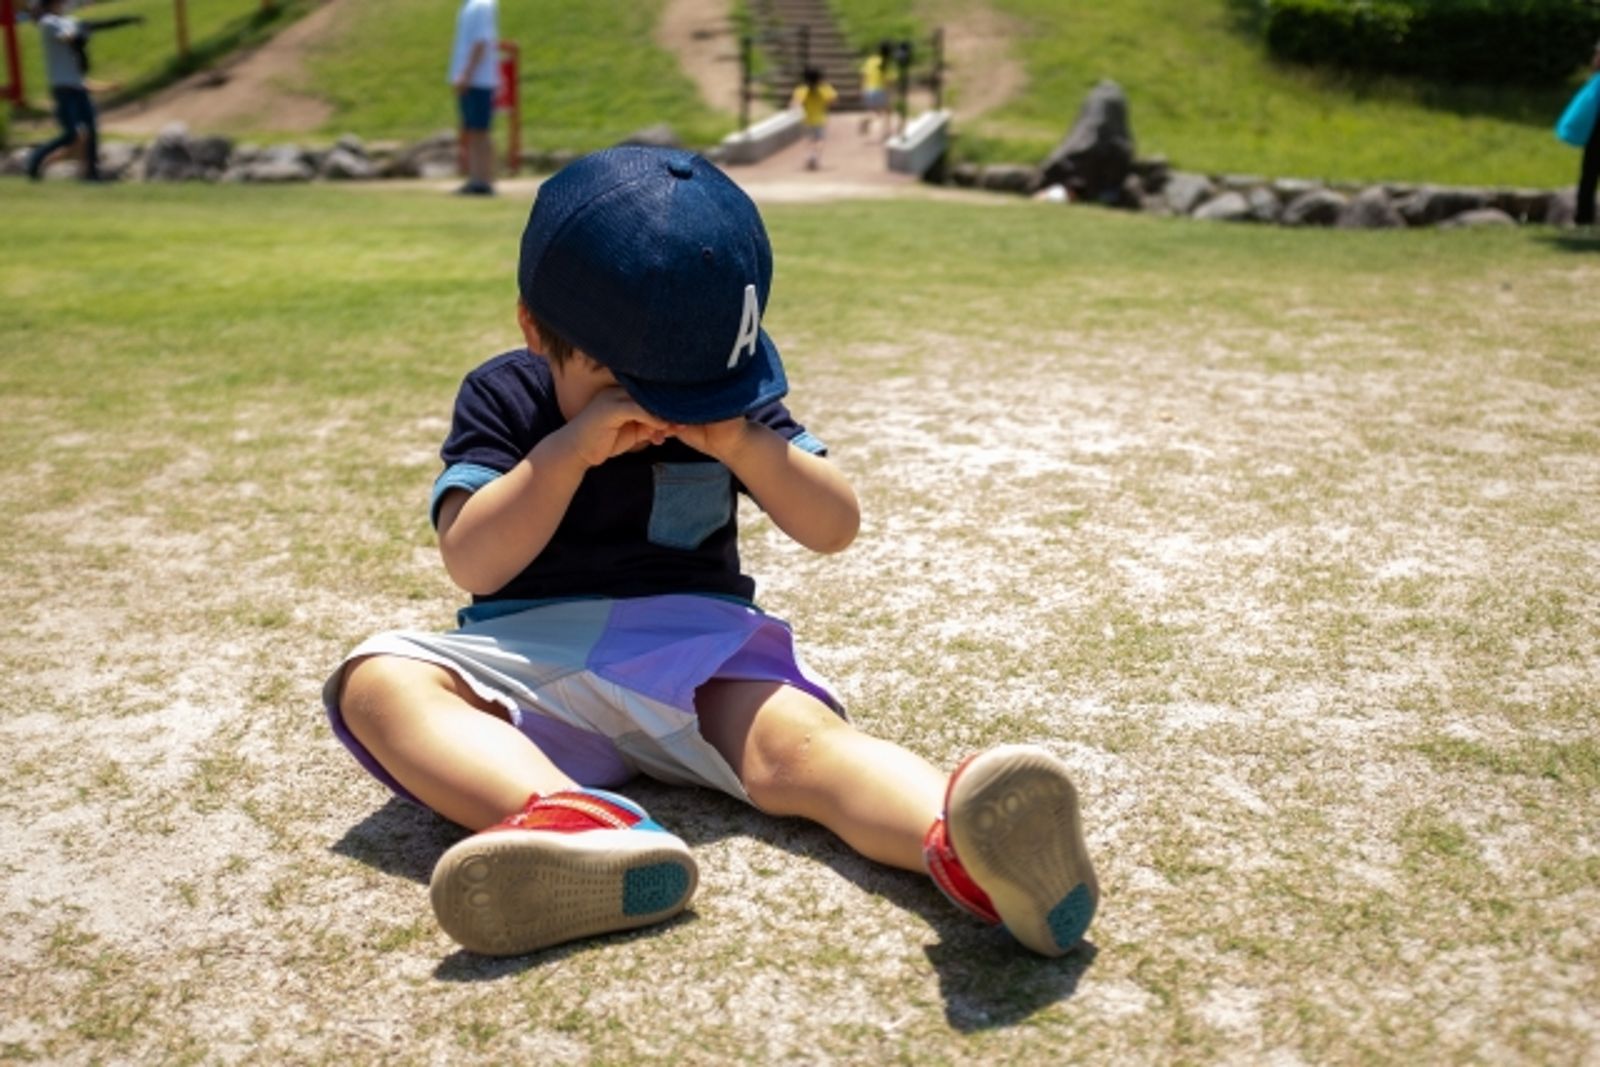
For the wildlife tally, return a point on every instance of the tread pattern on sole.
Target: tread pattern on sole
(505, 894)
(1014, 823)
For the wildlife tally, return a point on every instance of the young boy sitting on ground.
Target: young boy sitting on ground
(588, 503)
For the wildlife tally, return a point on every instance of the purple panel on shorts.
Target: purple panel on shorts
(666, 647)
(587, 758)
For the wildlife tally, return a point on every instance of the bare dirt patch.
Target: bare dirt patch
(254, 91)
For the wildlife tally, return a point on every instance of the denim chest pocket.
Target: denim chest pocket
(691, 502)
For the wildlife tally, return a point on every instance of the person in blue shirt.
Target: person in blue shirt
(588, 502)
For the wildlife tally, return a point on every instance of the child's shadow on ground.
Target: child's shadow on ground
(987, 979)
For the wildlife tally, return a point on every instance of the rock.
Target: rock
(1319, 207)
(1009, 178)
(1563, 207)
(411, 161)
(118, 159)
(1185, 191)
(341, 164)
(15, 161)
(1370, 210)
(1264, 205)
(170, 157)
(1153, 173)
(658, 136)
(1433, 204)
(1478, 218)
(1228, 207)
(1524, 205)
(965, 175)
(210, 154)
(278, 164)
(1290, 189)
(1096, 156)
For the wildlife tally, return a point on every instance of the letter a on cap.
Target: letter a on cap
(749, 327)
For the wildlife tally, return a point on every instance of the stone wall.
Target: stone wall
(1152, 186)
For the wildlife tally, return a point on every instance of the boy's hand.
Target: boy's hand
(719, 440)
(611, 424)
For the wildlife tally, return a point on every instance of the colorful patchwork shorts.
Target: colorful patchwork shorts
(605, 688)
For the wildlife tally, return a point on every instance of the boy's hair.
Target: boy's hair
(813, 76)
(557, 349)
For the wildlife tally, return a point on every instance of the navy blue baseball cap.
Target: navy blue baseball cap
(657, 265)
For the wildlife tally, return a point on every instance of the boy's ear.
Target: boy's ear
(530, 329)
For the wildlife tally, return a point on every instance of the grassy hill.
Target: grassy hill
(1203, 92)
(591, 72)
(1202, 89)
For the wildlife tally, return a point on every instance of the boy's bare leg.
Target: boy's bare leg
(455, 752)
(795, 756)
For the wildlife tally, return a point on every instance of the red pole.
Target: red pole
(8, 20)
(509, 98)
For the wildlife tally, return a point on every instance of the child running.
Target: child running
(588, 503)
(814, 97)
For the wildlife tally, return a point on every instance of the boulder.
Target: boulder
(1562, 210)
(965, 175)
(346, 162)
(1228, 207)
(1371, 209)
(1290, 189)
(411, 161)
(1264, 205)
(210, 154)
(118, 159)
(170, 157)
(279, 164)
(1433, 204)
(1096, 156)
(1478, 218)
(1524, 205)
(1009, 178)
(1184, 191)
(1152, 173)
(1319, 207)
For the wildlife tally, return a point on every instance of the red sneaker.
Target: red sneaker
(568, 865)
(1009, 848)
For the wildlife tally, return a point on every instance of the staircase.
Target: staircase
(796, 33)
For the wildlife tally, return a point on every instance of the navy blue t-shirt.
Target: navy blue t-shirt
(659, 520)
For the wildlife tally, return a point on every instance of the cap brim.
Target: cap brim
(760, 381)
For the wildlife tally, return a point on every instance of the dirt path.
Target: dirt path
(254, 91)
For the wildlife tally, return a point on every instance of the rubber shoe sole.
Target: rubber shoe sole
(512, 892)
(1012, 816)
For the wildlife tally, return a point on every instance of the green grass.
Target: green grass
(591, 72)
(1203, 92)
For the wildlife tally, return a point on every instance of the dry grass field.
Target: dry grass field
(1288, 542)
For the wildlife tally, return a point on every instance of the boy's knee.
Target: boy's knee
(793, 736)
(377, 688)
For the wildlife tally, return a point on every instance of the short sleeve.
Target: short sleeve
(775, 416)
(502, 410)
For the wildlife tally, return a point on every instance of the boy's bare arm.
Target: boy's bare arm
(488, 537)
(804, 494)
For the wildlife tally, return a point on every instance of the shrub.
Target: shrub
(1528, 42)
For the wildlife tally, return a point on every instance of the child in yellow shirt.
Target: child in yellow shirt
(814, 97)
